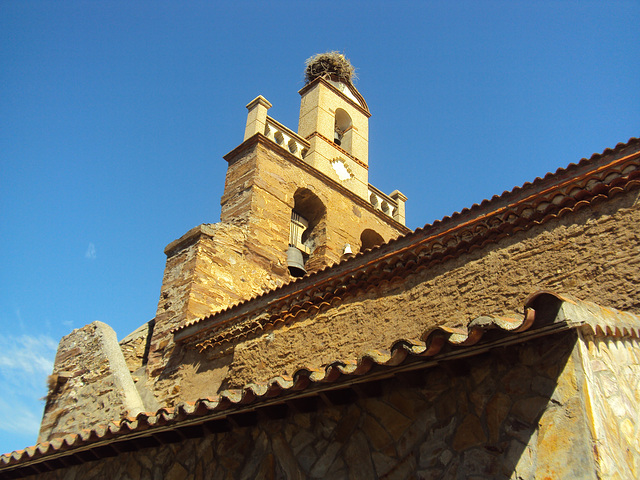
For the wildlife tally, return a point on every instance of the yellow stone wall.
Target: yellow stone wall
(494, 280)
(261, 183)
(216, 266)
(317, 116)
(612, 367)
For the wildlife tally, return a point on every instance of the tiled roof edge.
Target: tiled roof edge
(422, 254)
(550, 176)
(544, 313)
(305, 286)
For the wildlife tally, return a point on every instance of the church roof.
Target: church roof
(545, 313)
(555, 195)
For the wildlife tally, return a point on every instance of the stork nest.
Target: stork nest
(329, 64)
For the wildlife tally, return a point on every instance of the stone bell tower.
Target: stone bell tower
(334, 118)
(304, 193)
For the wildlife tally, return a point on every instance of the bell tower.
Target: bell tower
(334, 119)
(294, 203)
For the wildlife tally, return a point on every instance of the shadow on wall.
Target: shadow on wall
(509, 411)
(478, 417)
(468, 417)
(369, 239)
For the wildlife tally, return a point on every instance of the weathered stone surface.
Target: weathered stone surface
(357, 457)
(496, 412)
(90, 385)
(434, 454)
(134, 345)
(361, 439)
(383, 463)
(557, 457)
(376, 434)
(529, 408)
(611, 372)
(469, 434)
(394, 422)
(176, 472)
(407, 308)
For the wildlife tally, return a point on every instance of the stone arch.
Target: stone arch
(343, 129)
(370, 238)
(308, 229)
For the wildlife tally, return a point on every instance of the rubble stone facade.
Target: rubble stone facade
(506, 414)
(215, 266)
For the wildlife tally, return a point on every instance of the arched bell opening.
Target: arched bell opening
(369, 239)
(343, 130)
(307, 232)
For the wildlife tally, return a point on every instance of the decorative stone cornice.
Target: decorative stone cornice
(260, 139)
(339, 148)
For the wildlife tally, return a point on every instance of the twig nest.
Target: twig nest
(329, 64)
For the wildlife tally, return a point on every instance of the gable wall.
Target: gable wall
(612, 373)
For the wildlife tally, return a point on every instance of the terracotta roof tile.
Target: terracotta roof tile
(443, 342)
(556, 195)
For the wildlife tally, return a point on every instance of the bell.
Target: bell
(295, 262)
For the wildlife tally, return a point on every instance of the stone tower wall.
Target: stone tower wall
(216, 266)
(318, 106)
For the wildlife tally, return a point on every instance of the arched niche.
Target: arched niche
(369, 239)
(308, 226)
(343, 130)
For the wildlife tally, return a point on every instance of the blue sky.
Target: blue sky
(114, 117)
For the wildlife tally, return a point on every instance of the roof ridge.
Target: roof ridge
(429, 230)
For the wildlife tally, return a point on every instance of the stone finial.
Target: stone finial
(399, 213)
(257, 116)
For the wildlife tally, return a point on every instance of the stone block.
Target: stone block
(469, 433)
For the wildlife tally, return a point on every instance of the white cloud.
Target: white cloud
(91, 252)
(25, 362)
(20, 419)
(27, 354)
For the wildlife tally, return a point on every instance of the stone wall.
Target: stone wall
(511, 413)
(208, 269)
(612, 367)
(91, 384)
(261, 183)
(215, 266)
(494, 281)
(134, 346)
